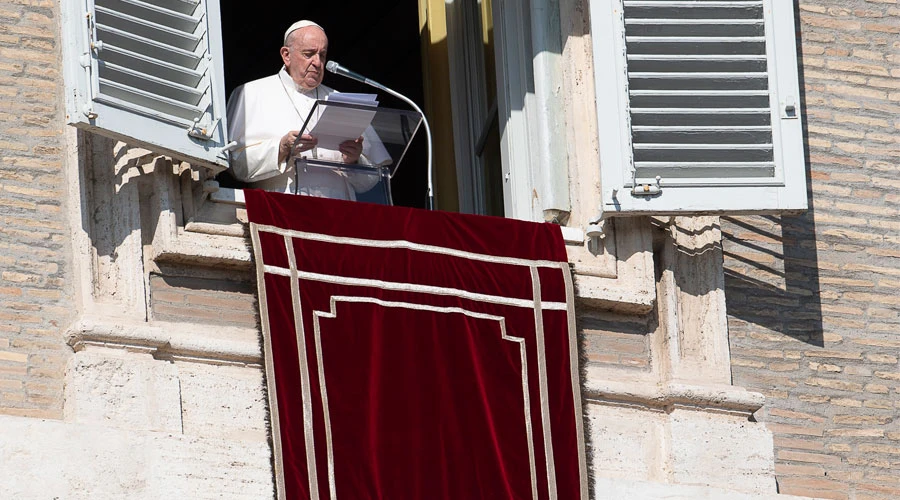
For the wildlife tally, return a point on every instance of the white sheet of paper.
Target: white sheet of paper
(337, 124)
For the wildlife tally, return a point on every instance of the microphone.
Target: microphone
(336, 68)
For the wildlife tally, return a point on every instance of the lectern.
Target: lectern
(320, 171)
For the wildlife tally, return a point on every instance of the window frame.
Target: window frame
(469, 102)
(534, 156)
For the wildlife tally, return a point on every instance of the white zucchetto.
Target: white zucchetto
(300, 24)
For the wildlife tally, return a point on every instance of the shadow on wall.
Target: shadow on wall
(771, 262)
(772, 280)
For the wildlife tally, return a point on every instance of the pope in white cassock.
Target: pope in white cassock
(265, 117)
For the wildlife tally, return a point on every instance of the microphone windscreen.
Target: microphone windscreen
(332, 66)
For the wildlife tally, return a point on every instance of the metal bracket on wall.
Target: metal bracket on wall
(647, 189)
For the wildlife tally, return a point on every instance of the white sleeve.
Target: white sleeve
(373, 153)
(254, 159)
(363, 182)
(374, 149)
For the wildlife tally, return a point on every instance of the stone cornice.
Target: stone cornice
(168, 340)
(671, 395)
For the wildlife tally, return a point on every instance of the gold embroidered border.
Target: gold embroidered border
(304, 373)
(536, 304)
(422, 307)
(270, 366)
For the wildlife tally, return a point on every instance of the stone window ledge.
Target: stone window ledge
(615, 272)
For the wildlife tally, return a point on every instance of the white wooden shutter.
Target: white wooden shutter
(702, 95)
(148, 72)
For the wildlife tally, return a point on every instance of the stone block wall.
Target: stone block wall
(814, 299)
(813, 303)
(142, 428)
(36, 293)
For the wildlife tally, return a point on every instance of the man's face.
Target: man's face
(304, 56)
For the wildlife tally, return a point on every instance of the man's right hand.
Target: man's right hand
(306, 143)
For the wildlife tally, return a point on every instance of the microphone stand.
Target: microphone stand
(337, 69)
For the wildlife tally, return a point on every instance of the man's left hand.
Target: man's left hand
(351, 150)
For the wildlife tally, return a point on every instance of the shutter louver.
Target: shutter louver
(698, 89)
(153, 72)
(152, 58)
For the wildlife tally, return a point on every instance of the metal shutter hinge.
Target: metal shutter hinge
(202, 130)
(87, 62)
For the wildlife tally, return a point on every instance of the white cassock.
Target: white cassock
(260, 113)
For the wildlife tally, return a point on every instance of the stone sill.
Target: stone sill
(716, 398)
(618, 487)
(615, 273)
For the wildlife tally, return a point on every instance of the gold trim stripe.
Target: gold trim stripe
(305, 390)
(421, 247)
(523, 355)
(576, 379)
(536, 304)
(542, 383)
(409, 287)
(270, 366)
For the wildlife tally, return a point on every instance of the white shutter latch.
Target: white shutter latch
(647, 189)
(225, 152)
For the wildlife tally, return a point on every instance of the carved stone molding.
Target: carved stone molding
(665, 397)
(165, 340)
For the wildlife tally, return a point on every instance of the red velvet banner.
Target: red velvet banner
(416, 355)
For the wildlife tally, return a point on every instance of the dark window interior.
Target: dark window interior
(377, 39)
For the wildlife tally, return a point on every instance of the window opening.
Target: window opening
(379, 40)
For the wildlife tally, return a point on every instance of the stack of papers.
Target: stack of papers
(364, 99)
(337, 124)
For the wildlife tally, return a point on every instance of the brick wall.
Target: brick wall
(229, 301)
(616, 339)
(814, 300)
(35, 294)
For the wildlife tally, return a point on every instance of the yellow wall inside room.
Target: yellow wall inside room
(436, 76)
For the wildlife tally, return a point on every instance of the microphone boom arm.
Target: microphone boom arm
(336, 68)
